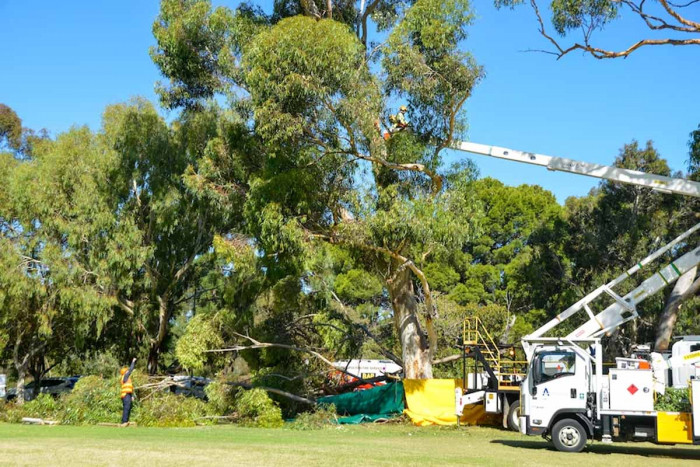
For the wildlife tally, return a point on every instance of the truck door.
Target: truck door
(559, 383)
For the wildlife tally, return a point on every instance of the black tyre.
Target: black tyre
(514, 416)
(568, 435)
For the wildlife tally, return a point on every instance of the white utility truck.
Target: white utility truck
(565, 394)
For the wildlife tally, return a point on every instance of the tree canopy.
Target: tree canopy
(281, 212)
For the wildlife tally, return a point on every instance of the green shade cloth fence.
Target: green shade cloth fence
(369, 405)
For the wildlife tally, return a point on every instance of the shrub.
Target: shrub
(168, 410)
(93, 400)
(11, 412)
(255, 408)
(44, 406)
(674, 400)
(221, 397)
(321, 417)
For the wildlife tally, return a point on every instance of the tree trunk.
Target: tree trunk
(682, 290)
(157, 343)
(21, 375)
(415, 345)
(20, 386)
(37, 369)
(153, 359)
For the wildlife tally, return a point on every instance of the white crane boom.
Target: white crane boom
(624, 308)
(657, 182)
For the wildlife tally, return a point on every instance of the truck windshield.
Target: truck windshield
(555, 364)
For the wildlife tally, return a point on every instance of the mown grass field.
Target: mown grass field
(356, 445)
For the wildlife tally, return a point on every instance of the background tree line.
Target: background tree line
(271, 209)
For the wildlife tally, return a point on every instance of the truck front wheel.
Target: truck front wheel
(568, 435)
(514, 416)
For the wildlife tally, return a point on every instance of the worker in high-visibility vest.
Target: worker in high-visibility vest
(127, 391)
(401, 122)
(398, 122)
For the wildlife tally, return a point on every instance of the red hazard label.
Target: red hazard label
(632, 389)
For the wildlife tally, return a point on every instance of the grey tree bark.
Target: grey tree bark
(416, 348)
(685, 287)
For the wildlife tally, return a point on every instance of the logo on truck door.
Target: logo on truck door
(545, 392)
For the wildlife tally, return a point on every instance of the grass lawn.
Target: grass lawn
(355, 445)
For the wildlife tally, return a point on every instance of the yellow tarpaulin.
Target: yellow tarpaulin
(432, 402)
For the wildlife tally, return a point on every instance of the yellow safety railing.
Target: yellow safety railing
(508, 371)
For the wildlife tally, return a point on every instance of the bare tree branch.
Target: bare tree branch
(600, 53)
(388, 354)
(263, 345)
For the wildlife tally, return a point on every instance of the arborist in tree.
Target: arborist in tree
(400, 122)
(127, 391)
(397, 123)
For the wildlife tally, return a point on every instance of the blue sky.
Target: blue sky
(61, 63)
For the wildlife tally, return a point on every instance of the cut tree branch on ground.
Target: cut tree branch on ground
(264, 345)
(279, 392)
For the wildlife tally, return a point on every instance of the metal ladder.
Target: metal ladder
(509, 372)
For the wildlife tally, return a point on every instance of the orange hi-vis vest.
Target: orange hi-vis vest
(127, 387)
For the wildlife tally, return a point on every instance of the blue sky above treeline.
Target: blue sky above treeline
(61, 63)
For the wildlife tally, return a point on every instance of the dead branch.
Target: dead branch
(388, 354)
(263, 345)
(289, 395)
(448, 359)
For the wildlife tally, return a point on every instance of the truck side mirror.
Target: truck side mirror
(533, 391)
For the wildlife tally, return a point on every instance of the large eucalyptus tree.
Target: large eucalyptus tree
(315, 91)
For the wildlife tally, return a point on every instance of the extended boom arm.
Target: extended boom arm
(624, 308)
(616, 174)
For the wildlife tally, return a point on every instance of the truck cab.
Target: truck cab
(560, 386)
(566, 397)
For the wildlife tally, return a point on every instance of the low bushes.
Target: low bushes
(167, 409)
(93, 400)
(322, 417)
(222, 396)
(255, 408)
(96, 400)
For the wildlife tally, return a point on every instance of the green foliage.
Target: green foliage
(184, 30)
(441, 277)
(568, 15)
(10, 128)
(96, 400)
(221, 396)
(673, 400)
(694, 156)
(100, 363)
(357, 285)
(93, 400)
(255, 408)
(165, 409)
(320, 417)
(424, 63)
(43, 406)
(202, 334)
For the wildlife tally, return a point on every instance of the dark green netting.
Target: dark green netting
(369, 405)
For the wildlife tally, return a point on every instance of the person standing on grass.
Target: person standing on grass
(127, 391)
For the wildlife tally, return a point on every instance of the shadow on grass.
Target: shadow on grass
(620, 448)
